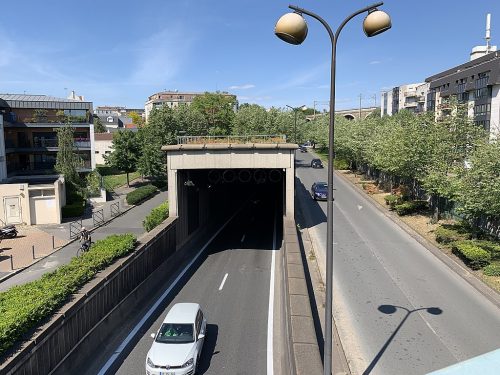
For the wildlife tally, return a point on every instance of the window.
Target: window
(109, 119)
(96, 151)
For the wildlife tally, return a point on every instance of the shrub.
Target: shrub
(160, 184)
(26, 306)
(410, 207)
(141, 193)
(392, 200)
(471, 254)
(340, 164)
(448, 234)
(156, 217)
(492, 270)
(73, 210)
(491, 247)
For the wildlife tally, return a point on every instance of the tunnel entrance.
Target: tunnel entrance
(215, 194)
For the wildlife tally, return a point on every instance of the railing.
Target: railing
(46, 142)
(16, 169)
(231, 139)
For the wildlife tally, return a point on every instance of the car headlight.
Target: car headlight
(150, 362)
(188, 363)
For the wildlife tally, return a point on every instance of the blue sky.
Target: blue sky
(120, 52)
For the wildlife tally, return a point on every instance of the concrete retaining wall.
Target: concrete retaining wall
(57, 338)
(305, 350)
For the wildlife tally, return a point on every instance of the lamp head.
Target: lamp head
(376, 22)
(292, 28)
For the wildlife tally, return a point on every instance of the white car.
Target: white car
(177, 344)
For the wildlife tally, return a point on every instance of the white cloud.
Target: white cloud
(242, 87)
(374, 62)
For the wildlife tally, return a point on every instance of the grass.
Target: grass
(113, 178)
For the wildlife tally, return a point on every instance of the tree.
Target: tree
(125, 154)
(217, 110)
(67, 160)
(479, 183)
(136, 119)
(98, 125)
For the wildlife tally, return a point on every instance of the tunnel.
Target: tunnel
(213, 195)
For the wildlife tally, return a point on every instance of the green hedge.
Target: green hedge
(340, 164)
(141, 193)
(156, 217)
(73, 210)
(410, 207)
(492, 270)
(392, 200)
(491, 247)
(472, 254)
(26, 306)
(160, 184)
(449, 234)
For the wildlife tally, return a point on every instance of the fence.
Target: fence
(98, 217)
(115, 209)
(75, 227)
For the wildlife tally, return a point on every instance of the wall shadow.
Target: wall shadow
(315, 214)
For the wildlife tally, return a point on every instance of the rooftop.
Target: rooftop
(182, 313)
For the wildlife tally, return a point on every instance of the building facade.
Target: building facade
(411, 97)
(30, 124)
(103, 146)
(175, 98)
(476, 84)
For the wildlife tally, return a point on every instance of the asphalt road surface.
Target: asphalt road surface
(398, 308)
(236, 305)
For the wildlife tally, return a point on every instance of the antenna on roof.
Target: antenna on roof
(488, 36)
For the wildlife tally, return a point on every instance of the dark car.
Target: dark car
(319, 191)
(316, 163)
(302, 149)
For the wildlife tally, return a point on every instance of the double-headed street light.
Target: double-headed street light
(295, 110)
(292, 28)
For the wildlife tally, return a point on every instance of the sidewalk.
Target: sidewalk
(128, 222)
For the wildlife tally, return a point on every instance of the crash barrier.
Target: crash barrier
(306, 358)
(91, 304)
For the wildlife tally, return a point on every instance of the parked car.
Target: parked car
(178, 343)
(302, 149)
(319, 191)
(316, 163)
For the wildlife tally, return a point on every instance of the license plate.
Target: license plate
(167, 373)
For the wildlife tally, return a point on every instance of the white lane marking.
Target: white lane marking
(270, 312)
(153, 308)
(223, 281)
(243, 238)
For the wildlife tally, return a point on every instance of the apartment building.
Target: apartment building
(411, 97)
(176, 98)
(475, 83)
(30, 124)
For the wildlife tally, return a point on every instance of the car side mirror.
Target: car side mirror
(153, 335)
(201, 336)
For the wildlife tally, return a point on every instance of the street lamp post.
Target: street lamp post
(295, 110)
(292, 28)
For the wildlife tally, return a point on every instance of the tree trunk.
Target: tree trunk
(128, 182)
(436, 215)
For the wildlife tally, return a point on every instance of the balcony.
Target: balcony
(40, 168)
(43, 143)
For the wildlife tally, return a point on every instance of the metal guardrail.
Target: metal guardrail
(231, 139)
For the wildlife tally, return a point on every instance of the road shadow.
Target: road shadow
(389, 310)
(208, 348)
(315, 214)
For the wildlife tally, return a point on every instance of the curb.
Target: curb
(19, 270)
(460, 270)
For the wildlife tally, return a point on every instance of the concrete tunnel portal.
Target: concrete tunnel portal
(212, 180)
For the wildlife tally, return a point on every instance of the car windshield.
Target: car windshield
(175, 333)
(323, 187)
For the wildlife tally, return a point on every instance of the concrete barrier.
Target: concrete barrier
(306, 356)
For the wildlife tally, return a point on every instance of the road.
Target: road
(236, 305)
(399, 309)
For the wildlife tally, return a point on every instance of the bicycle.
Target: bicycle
(84, 247)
